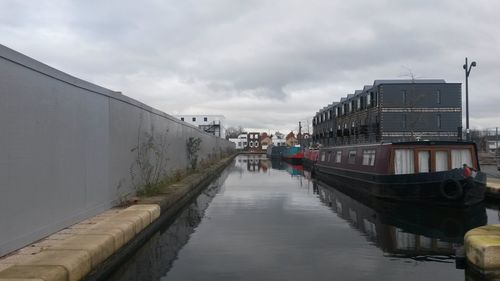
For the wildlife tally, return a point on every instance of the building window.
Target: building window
(182, 118)
(359, 103)
(404, 121)
(352, 157)
(369, 157)
(373, 98)
(438, 121)
(438, 97)
(194, 119)
(403, 94)
(368, 100)
(205, 119)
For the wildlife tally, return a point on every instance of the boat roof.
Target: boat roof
(434, 142)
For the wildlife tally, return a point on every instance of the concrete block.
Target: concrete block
(5, 266)
(153, 209)
(76, 262)
(140, 218)
(43, 272)
(482, 247)
(21, 279)
(128, 228)
(99, 247)
(102, 229)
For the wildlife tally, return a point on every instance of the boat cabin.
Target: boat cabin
(401, 158)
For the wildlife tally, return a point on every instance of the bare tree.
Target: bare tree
(233, 132)
(412, 99)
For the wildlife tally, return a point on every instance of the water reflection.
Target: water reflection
(422, 233)
(156, 257)
(270, 221)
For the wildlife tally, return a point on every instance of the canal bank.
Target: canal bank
(89, 250)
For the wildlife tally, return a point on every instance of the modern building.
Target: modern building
(392, 110)
(212, 124)
(241, 142)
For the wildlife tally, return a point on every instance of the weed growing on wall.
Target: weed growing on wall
(150, 166)
(193, 147)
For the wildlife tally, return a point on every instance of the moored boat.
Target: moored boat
(275, 152)
(293, 154)
(422, 171)
(311, 156)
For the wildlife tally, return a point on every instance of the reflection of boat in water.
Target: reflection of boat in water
(292, 169)
(404, 230)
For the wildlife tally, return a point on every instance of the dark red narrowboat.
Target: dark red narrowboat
(430, 172)
(311, 156)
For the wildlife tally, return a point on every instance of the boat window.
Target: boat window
(369, 157)
(405, 240)
(424, 161)
(403, 161)
(460, 157)
(442, 161)
(425, 242)
(352, 157)
(338, 157)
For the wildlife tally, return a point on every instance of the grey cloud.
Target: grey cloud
(217, 52)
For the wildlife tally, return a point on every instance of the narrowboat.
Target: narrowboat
(422, 171)
(293, 154)
(311, 156)
(275, 152)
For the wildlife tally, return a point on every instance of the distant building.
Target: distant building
(304, 139)
(278, 139)
(291, 140)
(212, 124)
(253, 141)
(392, 110)
(265, 141)
(241, 142)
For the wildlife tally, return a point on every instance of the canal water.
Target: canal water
(265, 220)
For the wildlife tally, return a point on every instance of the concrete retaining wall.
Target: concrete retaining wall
(70, 149)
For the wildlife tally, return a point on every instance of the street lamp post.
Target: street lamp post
(467, 69)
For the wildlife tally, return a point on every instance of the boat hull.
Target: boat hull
(310, 158)
(438, 188)
(293, 155)
(275, 152)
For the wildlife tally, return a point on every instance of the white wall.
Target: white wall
(66, 148)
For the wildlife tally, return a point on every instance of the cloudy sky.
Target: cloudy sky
(261, 63)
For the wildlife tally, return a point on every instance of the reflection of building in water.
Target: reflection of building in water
(252, 162)
(403, 230)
